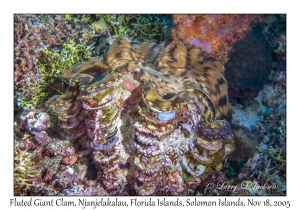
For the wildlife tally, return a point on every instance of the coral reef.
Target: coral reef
(266, 113)
(45, 45)
(145, 118)
(27, 47)
(44, 164)
(215, 33)
(271, 33)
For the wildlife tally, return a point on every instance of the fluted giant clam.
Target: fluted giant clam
(157, 116)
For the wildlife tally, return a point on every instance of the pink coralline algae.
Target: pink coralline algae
(147, 124)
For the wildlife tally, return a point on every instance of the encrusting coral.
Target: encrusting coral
(151, 127)
(216, 34)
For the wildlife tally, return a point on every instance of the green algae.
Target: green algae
(55, 63)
